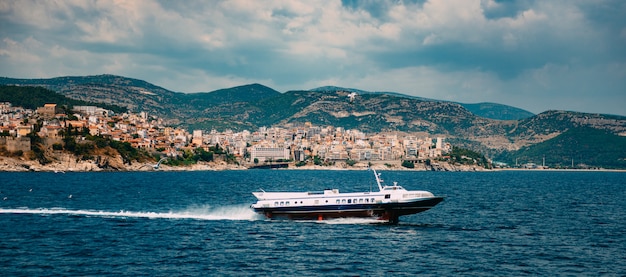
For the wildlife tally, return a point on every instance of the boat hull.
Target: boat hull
(385, 211)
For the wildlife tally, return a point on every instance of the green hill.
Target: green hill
(245, 93)
(35, 97)
(497, 111)
(486, 110)
(583, 146)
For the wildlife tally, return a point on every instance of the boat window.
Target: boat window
(361, 200)
(338, 201)
(372, 200)
(367, 200)
(287, 203)
(276, 203)
(343, 201)
(354, 201)
(387, 196)
(282, 203)
(349, 201)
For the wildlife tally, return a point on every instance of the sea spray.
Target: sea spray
(205, 212)
(231, 212)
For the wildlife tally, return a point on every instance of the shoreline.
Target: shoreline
(8, 164)
(562, 169)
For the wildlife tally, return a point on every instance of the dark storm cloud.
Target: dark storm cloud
(506, 8)
(377, 9)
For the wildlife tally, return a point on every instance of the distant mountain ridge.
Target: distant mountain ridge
(245, 93)
(251, 106)
(72, 86)
(485, 109)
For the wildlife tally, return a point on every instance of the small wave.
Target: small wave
(198, 213)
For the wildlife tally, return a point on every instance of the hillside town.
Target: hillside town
(267, 145)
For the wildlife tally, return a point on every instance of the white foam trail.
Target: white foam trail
(199, 213)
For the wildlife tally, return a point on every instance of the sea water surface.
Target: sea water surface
(506, 223)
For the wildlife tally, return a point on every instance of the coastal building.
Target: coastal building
(74, 124)
(23, 130)
(336, 153)
(361, 154)
(48, 110)
(93, 110)
(87, 110)
(268, 153)
(52, 133)
(297, 142)
(5, 107)
(197, 139)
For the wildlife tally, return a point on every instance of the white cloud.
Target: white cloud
(533, 54)
(26, 51)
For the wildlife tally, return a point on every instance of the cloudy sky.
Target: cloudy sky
(532, 54)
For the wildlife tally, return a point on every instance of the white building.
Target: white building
(196, 138)
(439, 143)
(89, 110)
(265, 153)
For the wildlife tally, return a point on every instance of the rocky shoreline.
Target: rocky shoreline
(69, 163)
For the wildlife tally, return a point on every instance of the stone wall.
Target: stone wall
(17, 144)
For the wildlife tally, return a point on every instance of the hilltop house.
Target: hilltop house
(48, 110)
(24, 130)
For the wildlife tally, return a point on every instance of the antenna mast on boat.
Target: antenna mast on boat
(378, 180)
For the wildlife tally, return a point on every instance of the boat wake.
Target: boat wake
(239, 212)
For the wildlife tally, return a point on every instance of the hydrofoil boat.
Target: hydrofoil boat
(388, 203)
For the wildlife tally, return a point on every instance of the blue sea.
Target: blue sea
(506, 223)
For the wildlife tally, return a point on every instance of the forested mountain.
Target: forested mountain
(487, 110)
(497, 111)
(35, 97)
(578, 147)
